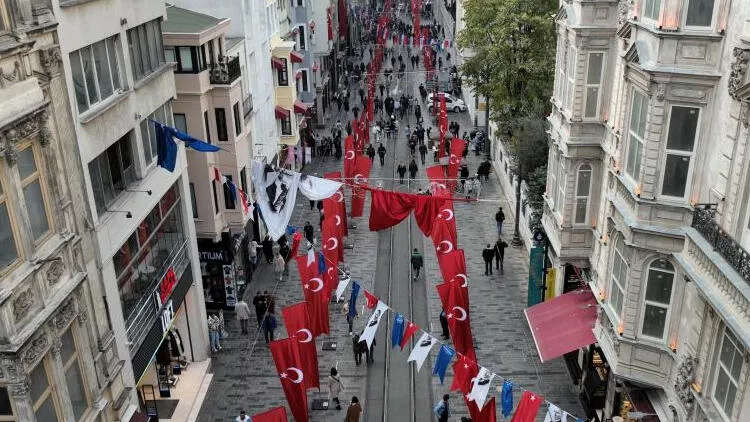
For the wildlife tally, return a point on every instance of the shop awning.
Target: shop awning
(563, 324)
(281, 112)
(296, 57)
(277, 63)
(300, 107)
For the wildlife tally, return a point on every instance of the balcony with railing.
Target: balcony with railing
(226, 71)
(721, 241)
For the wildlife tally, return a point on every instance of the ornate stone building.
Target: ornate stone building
(648, 202)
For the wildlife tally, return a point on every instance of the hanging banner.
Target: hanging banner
(368, 335)
(422, 349)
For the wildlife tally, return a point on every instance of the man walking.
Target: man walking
(442, 409)
(309, 231)
(500, 246)
(422, 152)
(499, 219)
(488, 254)
(444, 325)
(259, 302)
(381, 154)
(269, 325)
(401, 170)
(416, 262)
(243, 314)
(413, 169)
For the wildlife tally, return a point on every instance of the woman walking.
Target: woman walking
(278, 266)
(214, 332)
(334, 387)
(354, 410)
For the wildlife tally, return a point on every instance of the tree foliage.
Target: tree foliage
(536, 184)
(528, 144)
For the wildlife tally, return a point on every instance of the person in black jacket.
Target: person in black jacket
(499, 219)
(401, 170)
(422, 152)
(500, 246)
(371, 152)
(488, 254)
(381, 154)
(413, 169)
(309, 231)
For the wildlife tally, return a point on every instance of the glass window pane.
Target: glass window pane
(700, 13)
(153, 47)
(145, 140)
(635, 111)
(731, 395)
(5, 406)
(592, 101)
(46, 411)
(102, 69)
(76, 390)
(143, 42)
(675, 175)
(169, 55)
(26, 163)
(595, 68)
(659, 288)
(135, 59)
(654, 319)
(37, 212)
(88, 69)
(193, 200)
(38, 380)
(78, 81)
(584, 181)
(8, 253)
(727, 352)
(68, 348)
(186, 59)
(114, 69)
(180, 122)
(581, 208)
(682, 127)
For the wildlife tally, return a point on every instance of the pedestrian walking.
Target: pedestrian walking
(371, 152)
(381, 154)
(243, 417)
(413, 169)
(252, 253)
(214, 332)
(444, 325)
(278, 265)
(243, 314)
(334, 388)
(500, 246)
(270, 302)
(354, 410)
(416, 262)
(269, 325)
(442, 409)
(422, 152)
(418, 112)
(349, 318)
(309, 231)
(268, 249)
(488, 254)
(260, 304)
(401, 170)
(285, 251)
(369, 351)
(499, 220)
(357, 349)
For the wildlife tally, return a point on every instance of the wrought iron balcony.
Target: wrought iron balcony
(226, 71)
(721, 241)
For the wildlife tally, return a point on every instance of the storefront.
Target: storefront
(224, 268)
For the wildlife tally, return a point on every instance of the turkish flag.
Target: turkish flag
(389, 208)
(454, 161)
(343, 26)
(316, 298)
(296, 239)
(340, 208)
(527, 408)
(372, 300)
(444, 236)
(277, 414)
(428, 207)
(349, 157)
(464, 370)
(409, 331)
(455, 301)
(438, 182)
(332, 241)
(362, 167)
(285, 353)
(331, 279)
(486, 414)
(297, 324)
(453, 267)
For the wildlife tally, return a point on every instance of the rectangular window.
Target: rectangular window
(146, 48)
(180, 122)
(619, 274)
(657, 299)
(282, 74)
(728, 373)
(41, 394)
(193, 201)
(33, 192)
(206, 124)
(229, 198)
(237, 118)
(9, 251)
(73, 375)
(593, 84)
(148, 129)
(699, 13)
(560, 79)
(560, 199)
(637, 133)
(683, 129)
(243, 179)
(95, 72)
(305, 81)
(111, 172)
(583, 185)
(286, 125)
(216, 196)
(651, 9)
(570, 73)
(221, 124)
(300, 3)
(188, 60)
(211, 54)
(301, 39)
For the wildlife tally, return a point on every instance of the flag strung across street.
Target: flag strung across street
(421, 350)
(286, 357)
(297, 324)
(368, 334)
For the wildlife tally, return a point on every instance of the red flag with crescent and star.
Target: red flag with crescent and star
(371, 300)
(349, 157)
(409, 331)
(316, 299)
(453, 267)
(455, 302)
(454, 160)
(362, 167)
(464, 369)
(297, 324)
(528, 407)
(444, 236)
(340, 205)
(277, 414)
(286, 357)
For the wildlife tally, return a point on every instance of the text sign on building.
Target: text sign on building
(167, 315)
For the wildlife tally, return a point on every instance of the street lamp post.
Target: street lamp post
(516, 232)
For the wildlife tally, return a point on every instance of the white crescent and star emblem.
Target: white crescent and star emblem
(350, 155)
(338, 220)
(338, 194)
(453, 159)
(332, 240)
(298, 373)
(447, 249)
(462, 276)
(308, 335)
(318, 281)
(448, 216)
(462, 311)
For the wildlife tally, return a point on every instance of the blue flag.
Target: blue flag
(193, 143)
(289, 229)
(322, 267)
(441, 364)
(166, 148)
(232, 189)
(507, 398)
(353, 300)
(398, 330)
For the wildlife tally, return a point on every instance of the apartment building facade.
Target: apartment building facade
(647, 203)
(137, 212)
(324, 48)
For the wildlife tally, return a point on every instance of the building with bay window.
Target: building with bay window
(648, 203)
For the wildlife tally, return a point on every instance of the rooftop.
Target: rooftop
(184, 21)
(232, 41)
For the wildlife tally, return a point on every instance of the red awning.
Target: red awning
(296, 57)
(563, 324)
(277, 63)
(300, 107)
(281, 112)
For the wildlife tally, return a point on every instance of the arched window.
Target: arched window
(619, 277)
(583, 187)
(657, 299)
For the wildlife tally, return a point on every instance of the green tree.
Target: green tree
(537, 185)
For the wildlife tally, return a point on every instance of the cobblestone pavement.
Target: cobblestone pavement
(244, 374)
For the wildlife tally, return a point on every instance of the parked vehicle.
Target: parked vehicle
(452, 103)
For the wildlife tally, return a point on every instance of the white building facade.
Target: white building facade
(647, 202)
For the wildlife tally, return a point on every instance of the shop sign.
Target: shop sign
(211, 256)
(167, 315)
(230, 285)
(167, 284)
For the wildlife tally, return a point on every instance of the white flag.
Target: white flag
(368, 334)
(421, 350)
(316, 189)
(481, 386)
(276, 191)
(554, 414)
(343, 282)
